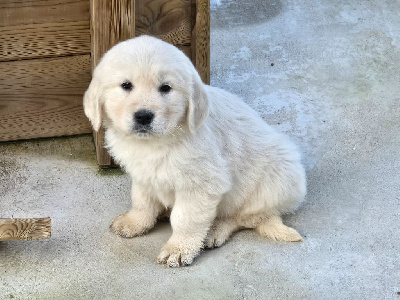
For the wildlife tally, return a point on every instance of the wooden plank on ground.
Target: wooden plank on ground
(111, 22)
(25, 229)
(43, 97)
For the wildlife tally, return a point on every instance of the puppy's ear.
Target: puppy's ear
(198, 104)
(92, 105)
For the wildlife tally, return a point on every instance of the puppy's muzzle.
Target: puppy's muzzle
(143, 119)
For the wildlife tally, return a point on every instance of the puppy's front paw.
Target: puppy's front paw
(178, 255)
(128, 225)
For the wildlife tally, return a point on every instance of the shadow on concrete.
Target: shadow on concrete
(242, 13)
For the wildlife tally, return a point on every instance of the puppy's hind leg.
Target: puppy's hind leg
(220, 232)
(274, 229)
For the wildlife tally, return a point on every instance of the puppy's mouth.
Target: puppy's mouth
(143, 131)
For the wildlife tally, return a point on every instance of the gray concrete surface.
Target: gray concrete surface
(326, 73)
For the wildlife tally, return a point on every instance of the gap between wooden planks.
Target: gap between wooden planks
(25, 229)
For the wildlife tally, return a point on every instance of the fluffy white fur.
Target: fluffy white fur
(206, 155)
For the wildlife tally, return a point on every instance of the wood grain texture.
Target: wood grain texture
(170, 20)
(111, 22)
(43, 97)
(25, 229)
(43, 28)
(201, 39)
(27, 12)
(44, 40)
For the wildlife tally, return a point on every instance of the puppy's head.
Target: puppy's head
(146, 87)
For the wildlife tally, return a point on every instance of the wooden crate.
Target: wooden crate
(48, 49)
(45, 68)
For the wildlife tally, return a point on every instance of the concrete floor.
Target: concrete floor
(326, 73)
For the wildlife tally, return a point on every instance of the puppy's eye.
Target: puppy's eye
(127, 86)
(165, 88)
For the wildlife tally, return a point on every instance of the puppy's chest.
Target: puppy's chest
(152, 169)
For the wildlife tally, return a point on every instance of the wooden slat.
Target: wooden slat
(25, 229)
(27, 12)
(44, 40)
(43, 97)
(43, 28)
(201, 39)
(169, 20)
(112, 21)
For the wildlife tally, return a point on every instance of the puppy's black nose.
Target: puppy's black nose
(144, 117)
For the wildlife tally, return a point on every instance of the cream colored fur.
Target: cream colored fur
(207, 155)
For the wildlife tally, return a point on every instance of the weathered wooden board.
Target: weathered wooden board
(25, 229)
(43, 97)
(201, 39)
(112, 21)
(44, 40)
(43, 28)
(45, 68)
(27, 12)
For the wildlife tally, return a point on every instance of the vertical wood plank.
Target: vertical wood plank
(201, 39)
(111, 21)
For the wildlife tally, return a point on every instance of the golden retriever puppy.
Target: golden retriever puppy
(192, 148)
